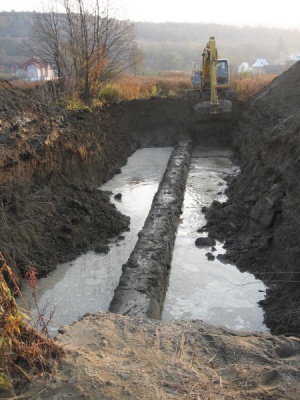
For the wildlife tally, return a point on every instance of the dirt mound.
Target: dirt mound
(115, 357)
(260, 220)
(51, 164)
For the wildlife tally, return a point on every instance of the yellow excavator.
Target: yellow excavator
(212, 77)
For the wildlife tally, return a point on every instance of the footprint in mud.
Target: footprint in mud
(287, 349)
(250, 379)
(269, 378)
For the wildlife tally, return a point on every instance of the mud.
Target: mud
(110, 356)
(260, 220)
(51, 163)
(145, 276)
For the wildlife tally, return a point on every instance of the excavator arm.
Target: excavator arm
(210, 63)
(212, 76)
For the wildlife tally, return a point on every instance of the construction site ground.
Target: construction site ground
(52, 163)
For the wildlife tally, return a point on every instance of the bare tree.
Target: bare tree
(137, 58)
(85, 43)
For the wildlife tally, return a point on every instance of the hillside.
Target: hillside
(169, 46)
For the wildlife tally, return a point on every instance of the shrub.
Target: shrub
(24, 351)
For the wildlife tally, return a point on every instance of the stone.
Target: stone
(210, 256)
(205, 242)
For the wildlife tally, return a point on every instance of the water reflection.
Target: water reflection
(214, 292)
(87, 283)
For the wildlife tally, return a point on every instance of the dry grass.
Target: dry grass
(109, 356)
(132, 87)
(24, 352)
(247, 85)
(25, 85)
(129, 87)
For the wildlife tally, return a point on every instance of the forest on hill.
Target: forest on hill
(168, 46)
(174, 46)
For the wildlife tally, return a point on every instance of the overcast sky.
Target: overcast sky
(285, 14)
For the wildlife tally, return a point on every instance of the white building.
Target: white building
(295, 57)
(258, 66)
(34, 70)
(244, 67)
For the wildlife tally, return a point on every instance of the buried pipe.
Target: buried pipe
(145, 276)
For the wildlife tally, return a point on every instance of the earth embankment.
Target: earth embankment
(260, 220)
(110, 356)
(51, 164)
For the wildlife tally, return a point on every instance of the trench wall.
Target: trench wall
(144, 280)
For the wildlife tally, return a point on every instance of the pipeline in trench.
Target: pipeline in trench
(87, 284)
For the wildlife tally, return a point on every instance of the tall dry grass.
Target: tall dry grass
(129, 87)
(24, 351)
(247, 85)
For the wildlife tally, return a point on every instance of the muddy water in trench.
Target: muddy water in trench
(87, 283)
(211, 291)
(214, 292)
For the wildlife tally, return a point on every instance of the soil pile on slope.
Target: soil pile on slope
(114, 357)
(51, 163)
(261, 218)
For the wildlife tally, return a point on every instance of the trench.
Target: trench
(201, 286)
(90, 282)
(87, 283)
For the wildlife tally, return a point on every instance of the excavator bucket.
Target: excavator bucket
(205, 112)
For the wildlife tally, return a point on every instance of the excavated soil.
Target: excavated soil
(51, 165)
(260, 220)
(110, 356)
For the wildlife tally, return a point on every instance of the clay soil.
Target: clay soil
(260, 221)
(51, 165)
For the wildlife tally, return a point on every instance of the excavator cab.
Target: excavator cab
(196, 77)
(223, 79)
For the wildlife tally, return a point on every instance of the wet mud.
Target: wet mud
(45, 151)
(53, 161)
(260, 220)
(144, 280)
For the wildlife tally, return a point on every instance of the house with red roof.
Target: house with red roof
(34, 69)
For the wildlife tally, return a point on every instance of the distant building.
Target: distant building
(295, 57)
(244, 67)
(292, 60)
(34, 70)
(258, 66)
